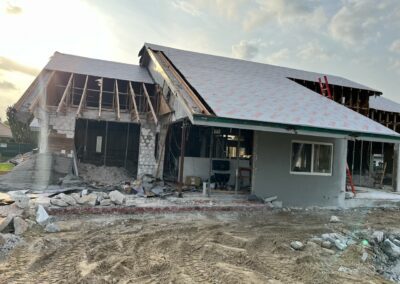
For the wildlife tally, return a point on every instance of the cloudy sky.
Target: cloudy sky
(357, 39)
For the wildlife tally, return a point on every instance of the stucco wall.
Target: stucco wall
(271, 175)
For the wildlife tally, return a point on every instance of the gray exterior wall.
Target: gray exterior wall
(271, 172)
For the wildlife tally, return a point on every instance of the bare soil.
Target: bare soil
(195, 248)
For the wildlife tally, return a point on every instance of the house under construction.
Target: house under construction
(180, 114)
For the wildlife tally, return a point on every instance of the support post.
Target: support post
(352, 159)
(126, 145)
(182, 162)
(117, 100)
(361, 160)
(237, 164)
(100, 95)
(85, 146)
(210, 155)
(83, 98)
(396, 168)
(105, 144)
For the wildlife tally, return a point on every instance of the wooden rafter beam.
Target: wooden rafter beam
(133, 97)
(83, 98)
(66, 92)
(100, 95)
(42, 93)
(146, 94)
(118, 111)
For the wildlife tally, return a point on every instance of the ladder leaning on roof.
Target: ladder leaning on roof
(326, 92)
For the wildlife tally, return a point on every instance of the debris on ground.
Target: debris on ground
(41, 215)
(20, 225)
(296, 245)
(5, 199)
(51, 228)
(103, 176)
(334, 219)
(117, 197)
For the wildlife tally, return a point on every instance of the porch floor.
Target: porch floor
(370, 197)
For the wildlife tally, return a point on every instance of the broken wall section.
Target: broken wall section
(147, 146)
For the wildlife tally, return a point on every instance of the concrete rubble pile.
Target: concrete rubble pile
(379, 248)
(15, 220)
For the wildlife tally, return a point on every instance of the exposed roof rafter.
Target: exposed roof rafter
(66, 92)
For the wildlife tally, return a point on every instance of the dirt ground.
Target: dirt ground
(195, 248)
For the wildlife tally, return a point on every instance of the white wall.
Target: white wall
(200, 167)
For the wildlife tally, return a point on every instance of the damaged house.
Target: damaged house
(184, 116)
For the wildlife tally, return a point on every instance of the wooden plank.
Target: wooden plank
(117, 100)
(42, 94)
(146, 94)
(83, 98)
(101, 96)
(66, 91)
(133, 96)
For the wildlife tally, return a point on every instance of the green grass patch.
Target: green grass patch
(6, 167)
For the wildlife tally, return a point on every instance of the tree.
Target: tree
(20, 130)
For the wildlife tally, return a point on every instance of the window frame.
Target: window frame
(312, 143)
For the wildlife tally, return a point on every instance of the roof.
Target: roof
(250, 91)
(96, 67)
(380, 103)
(5, 131)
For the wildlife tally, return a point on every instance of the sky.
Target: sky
(356, 39)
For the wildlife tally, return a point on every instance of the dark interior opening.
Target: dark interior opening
(96, 143)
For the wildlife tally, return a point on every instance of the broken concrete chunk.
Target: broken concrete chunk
(52, 228)
(340, 245)
(67, 199)
(21, 200)
(5, 199)
(5, 223)
(277, 204)
(296, 245)
(84, 192)
(75, 196)
(20, 226)
(334, 219)
(117, 197)
(58, 202)
(364, 257)
(90, 199)
(390, 249)
(326, 244)
(105, 202)
(270, 199)
(41, 215)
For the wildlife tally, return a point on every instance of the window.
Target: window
(311, 158)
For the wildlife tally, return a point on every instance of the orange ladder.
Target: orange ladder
(326, 92)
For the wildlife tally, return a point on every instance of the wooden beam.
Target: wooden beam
(66, 91)
(187, 88)
(42, 93)
(117, 100)
(146, 94)
(133, 97)
(101, 95)
(83, 97)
